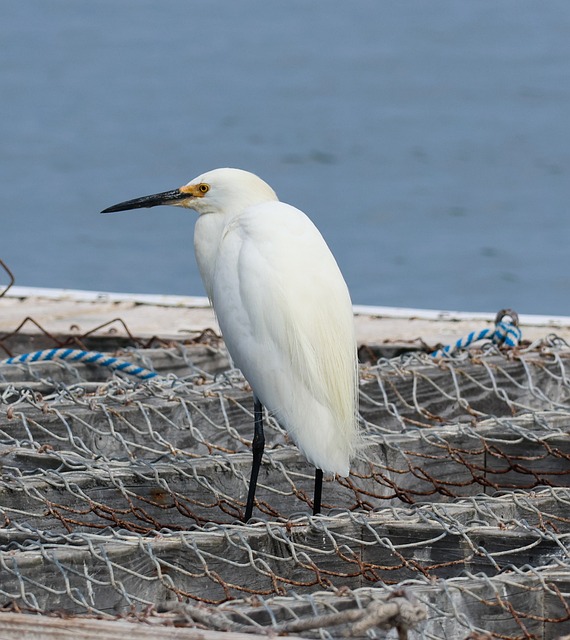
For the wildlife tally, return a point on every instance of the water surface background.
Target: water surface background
(429, 141)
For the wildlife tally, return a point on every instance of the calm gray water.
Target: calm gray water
(429, 141)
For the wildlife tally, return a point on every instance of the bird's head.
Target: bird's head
(218, 191)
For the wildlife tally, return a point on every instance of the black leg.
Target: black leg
(257, 446)
(318, 492)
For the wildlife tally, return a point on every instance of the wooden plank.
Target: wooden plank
(425, 395)
(233, 561)
(522, 605)
(392, 469)
(141, 430)
(122, 430)
(175, 496)
(525, 460)
(19, 626)
(439, 465)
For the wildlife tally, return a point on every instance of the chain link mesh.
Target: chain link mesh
(123, 499)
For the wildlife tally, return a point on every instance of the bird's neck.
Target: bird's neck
(208, 233)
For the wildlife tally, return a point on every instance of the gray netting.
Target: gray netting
(123, 499)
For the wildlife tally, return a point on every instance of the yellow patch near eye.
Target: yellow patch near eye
(195, 190)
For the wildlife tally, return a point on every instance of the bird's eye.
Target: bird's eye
(203, 188)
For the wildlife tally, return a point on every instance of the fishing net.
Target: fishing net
(123, 499)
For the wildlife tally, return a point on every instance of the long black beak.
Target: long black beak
(166, 197)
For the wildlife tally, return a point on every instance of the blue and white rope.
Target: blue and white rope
(505, 334)
(86, 357)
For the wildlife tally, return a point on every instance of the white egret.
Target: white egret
(284, 311)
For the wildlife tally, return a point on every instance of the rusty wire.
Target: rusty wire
(10, 276)
(22, 337)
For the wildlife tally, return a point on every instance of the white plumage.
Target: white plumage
(282, 305)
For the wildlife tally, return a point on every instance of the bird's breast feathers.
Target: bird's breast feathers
(285, 310)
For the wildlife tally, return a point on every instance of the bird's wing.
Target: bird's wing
(286, 315)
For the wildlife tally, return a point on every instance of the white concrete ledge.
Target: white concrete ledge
(201, 302)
